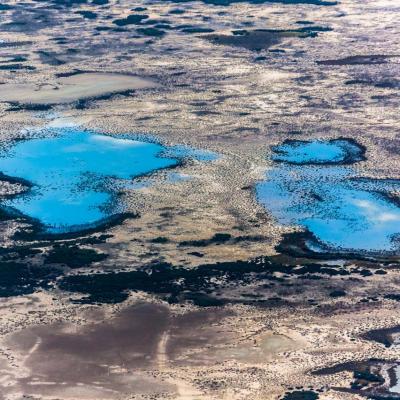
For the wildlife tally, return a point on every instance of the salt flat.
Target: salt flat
(72, 88)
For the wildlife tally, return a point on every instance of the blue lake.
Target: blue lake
(342, 211)
(76, 175)
(318, 152)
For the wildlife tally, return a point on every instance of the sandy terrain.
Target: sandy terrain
(278, 325)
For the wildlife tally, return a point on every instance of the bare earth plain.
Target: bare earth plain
(199, 293)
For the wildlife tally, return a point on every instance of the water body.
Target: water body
(396, 388)
(76, 175)
(312, 185)
(336, 151)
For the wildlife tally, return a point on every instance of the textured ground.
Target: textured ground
(160, 319)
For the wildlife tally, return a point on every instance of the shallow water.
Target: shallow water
(318, 152)
(396, 387)
(342, 211)
(76, 175)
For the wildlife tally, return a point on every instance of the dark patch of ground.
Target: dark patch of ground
(18, 252)
(133, 19)
(301, 395)
(153, 32)
(38, 232)
(177, 11)
(337, 293)
(160, 240)
(15, 44)
(229, 2)
(368, 377)
(87, 14)
(73, 256)
(28, 107)
(382, 84)
(272, 280)
(384, 336)
(393, 296)
(222, 238)
(218, 238)
(18, 279)
(359, 60)
(14, 59)
(196, 254)
(262, 39)
(199, 285)
(73, 3)
(348, 366)
(299, 244)
(86, 103)
(16, 67)
(50, 58)
(196, 29)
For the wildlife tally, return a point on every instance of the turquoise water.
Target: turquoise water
(76, 175)
(318, 152)
(342, 211)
